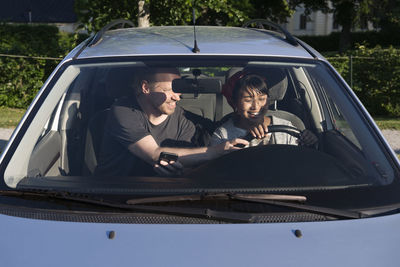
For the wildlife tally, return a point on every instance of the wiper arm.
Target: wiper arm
(316, 209)
(270, 199)
(197, 212)
(203, 213)
(210, 196)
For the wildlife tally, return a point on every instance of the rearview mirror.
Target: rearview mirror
(197, 86)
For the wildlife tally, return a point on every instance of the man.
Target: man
(139, 128)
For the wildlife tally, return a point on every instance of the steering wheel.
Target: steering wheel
(293, 131)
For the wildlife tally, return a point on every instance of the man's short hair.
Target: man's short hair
(149, 74)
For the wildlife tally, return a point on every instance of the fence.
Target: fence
(21, 77)
(350, 61)
(373, 74)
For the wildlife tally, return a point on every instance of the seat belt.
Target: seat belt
(219, 103)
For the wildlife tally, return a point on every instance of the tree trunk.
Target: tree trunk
(345, 38)
(345, 14)
(143, 14)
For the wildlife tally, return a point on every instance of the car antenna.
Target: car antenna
(195, 48)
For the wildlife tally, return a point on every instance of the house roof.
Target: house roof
(43, 11)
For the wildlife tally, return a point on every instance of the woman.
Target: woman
(249, 99)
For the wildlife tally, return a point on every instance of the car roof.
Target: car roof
(179, 40)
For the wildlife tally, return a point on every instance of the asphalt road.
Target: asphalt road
(393, 138)
(4, 135)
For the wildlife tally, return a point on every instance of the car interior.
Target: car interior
(206, 101)
(70, 142)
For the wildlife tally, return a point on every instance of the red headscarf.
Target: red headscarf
(227, 88)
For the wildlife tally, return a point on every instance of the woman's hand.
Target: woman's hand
(307, 138)
(260, 130)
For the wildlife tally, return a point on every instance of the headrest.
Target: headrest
(119, 81)
(275, 78)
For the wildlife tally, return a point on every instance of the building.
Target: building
(317, 23)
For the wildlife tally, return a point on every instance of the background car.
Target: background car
(334, 203)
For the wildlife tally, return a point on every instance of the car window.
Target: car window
(302, 95)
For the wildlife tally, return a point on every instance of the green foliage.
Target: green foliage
(375, 77)
(388, 16)
(387, 123)
(352, 14)
(368, 39)
(322, 43)
(94, 14)
(28, 40)
(19, 81)
(21, 78)
(376, 71)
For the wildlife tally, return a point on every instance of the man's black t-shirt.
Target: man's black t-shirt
(127, 124)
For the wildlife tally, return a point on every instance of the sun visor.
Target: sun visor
(197, 86)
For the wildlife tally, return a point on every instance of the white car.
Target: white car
(334, 202)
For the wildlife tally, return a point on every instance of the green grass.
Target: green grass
(9, 117)
(388, 123)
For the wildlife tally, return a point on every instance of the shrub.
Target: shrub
(375, 77)
(369, 39)
(375, 71)
(21, 78)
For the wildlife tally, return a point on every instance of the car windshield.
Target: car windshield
(79, 130)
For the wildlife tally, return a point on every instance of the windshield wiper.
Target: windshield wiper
(346, 214)
(210, 196)
(210, 214)
(270, 199)
(134, 204)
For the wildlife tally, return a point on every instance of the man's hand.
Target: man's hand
(173, 168)
(228, 146)
(307, 138)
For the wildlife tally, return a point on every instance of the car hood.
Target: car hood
(361, 242)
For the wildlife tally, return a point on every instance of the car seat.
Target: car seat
(118, 83)
(208, 104)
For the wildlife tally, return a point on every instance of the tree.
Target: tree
(388, 16)
(143, 14)
(97, 13)
(348, 13)
(94, 14)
